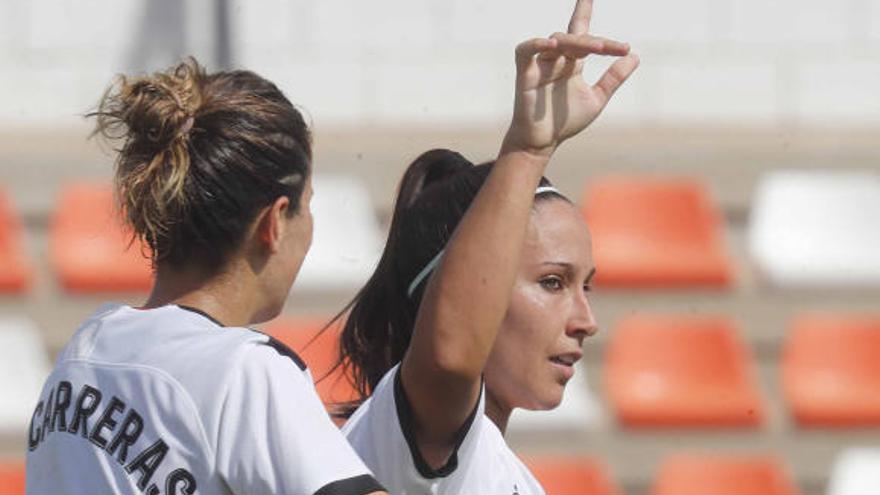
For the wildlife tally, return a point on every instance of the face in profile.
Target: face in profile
(549, 314)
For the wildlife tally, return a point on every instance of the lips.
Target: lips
(567, 359)
(564, 365)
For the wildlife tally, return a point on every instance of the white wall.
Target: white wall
(352, 62)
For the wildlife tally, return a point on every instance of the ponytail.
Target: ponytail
(434, 194)
(200, 155)
(379, 321)
(154, 115)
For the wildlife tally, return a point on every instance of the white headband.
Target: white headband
(436, 259)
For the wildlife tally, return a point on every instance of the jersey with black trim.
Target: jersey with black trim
(381, 431)
(168, 401)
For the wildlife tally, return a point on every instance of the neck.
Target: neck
(497, 411)
(224, 296)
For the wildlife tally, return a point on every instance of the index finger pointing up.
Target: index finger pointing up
(580, 19)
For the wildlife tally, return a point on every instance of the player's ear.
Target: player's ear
(271, 224)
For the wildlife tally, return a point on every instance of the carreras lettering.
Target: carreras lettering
(116, 429)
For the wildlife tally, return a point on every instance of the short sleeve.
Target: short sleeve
(275, 436)
(381, 431)
(405, 413)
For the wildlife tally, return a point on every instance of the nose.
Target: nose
(581, 323)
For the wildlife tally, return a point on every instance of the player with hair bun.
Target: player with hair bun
(479, 302)
(178, 396)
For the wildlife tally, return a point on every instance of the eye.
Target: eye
(552, 283)
(588, 288)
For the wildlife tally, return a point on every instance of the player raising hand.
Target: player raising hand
(479, 302)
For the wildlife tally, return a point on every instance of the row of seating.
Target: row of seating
(91, 251)
(660, 371)
(806, 228)
(681, 474)
(693, 371)
(854, 473)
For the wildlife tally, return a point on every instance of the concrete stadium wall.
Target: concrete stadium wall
(808, 63)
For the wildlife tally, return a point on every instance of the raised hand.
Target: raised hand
(553, 102)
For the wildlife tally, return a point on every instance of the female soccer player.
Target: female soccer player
(476, 253)
(179, 396)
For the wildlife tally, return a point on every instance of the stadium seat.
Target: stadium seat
(856, 472)
(681, 371)
(656, 232)
(12, 478)
(722, 475)
(23, 368)
(15, 271)
(831, 370)
(815, 228)
(347, 239)
(320, 354)
(579, 410)
(571, 476)
(89, 249)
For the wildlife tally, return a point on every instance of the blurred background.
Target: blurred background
(732, 186)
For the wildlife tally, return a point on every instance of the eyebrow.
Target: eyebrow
(570, 268)
(591, 275)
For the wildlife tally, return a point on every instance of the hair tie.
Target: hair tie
(187, 126)
(548, 189)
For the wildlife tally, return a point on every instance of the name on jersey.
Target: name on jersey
(111, 426)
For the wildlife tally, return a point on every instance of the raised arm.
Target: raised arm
(466, 298)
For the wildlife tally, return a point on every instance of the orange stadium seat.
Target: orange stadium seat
(12, 478)
(831, 370)
(89, 249)
(722, 475)
(15, 272)
(656, 232)
(571, 475)
(320, 354)
(681, 371)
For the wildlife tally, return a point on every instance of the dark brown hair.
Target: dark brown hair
(434, 194)
(200, 155)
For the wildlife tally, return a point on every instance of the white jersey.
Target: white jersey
(381, 433)
(167, 401)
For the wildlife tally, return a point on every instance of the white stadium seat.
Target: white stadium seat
(579, 410)
(856, 472)
(347, 239)
(24, 367)
(817, 228)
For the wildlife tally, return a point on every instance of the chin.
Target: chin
(548, 398)
(553, 403)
